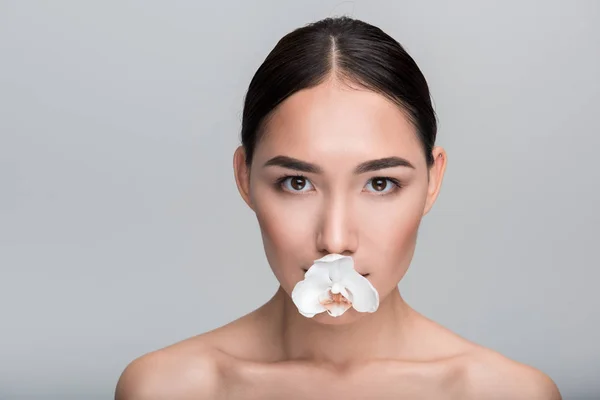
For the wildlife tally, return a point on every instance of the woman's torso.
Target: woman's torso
(241, 361)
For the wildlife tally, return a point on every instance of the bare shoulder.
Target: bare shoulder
(185, 370)
(476, 372)
(490, 375)
(195, 368)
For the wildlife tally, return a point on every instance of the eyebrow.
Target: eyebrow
(367, 166)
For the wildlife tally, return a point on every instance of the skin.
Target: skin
(274, 352)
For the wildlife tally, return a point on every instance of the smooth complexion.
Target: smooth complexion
(336, 199)
(338, 170)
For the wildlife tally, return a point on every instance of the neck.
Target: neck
(371, 336)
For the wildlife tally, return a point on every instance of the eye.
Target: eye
(295, 183)
(379, 184)
(300, 184)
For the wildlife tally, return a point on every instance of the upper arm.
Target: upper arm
(535, 385)
(499, 378)
(163, 376)
(545, 387)
(136, 380)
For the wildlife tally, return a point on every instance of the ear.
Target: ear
(242, 175)
(436, 175)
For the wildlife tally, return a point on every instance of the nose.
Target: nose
(336, 231)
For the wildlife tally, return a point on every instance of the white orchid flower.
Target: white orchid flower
(332, 284)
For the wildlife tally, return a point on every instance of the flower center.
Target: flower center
(336, 288)
(338, 298)
(335, 298)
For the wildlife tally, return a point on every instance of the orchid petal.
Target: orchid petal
(336, 264)
(327, 279)
(337, 288)
(337, 309)
(330, 258)
(324, 297)
(319, 271)
(364, 295)
(346, 294)
(306, 294)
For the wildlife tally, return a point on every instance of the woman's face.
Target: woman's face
(317, 188)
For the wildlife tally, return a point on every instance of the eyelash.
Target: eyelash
(397, 185)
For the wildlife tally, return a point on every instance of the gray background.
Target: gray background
(122, 231)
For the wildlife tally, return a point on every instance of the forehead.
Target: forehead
(340, 123)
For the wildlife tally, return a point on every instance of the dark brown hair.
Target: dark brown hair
(360, 53)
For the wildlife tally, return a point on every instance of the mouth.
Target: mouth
(364, 275)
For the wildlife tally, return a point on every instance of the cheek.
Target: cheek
(287, 234)
(285, 226)
(387, 231)
(400, 231)
(392, 239)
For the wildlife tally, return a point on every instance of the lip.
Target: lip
(364, 275)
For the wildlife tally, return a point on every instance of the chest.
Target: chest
(373, 383)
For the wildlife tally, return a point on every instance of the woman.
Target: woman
(338, 163)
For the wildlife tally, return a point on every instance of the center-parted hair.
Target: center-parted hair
(354, 52)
